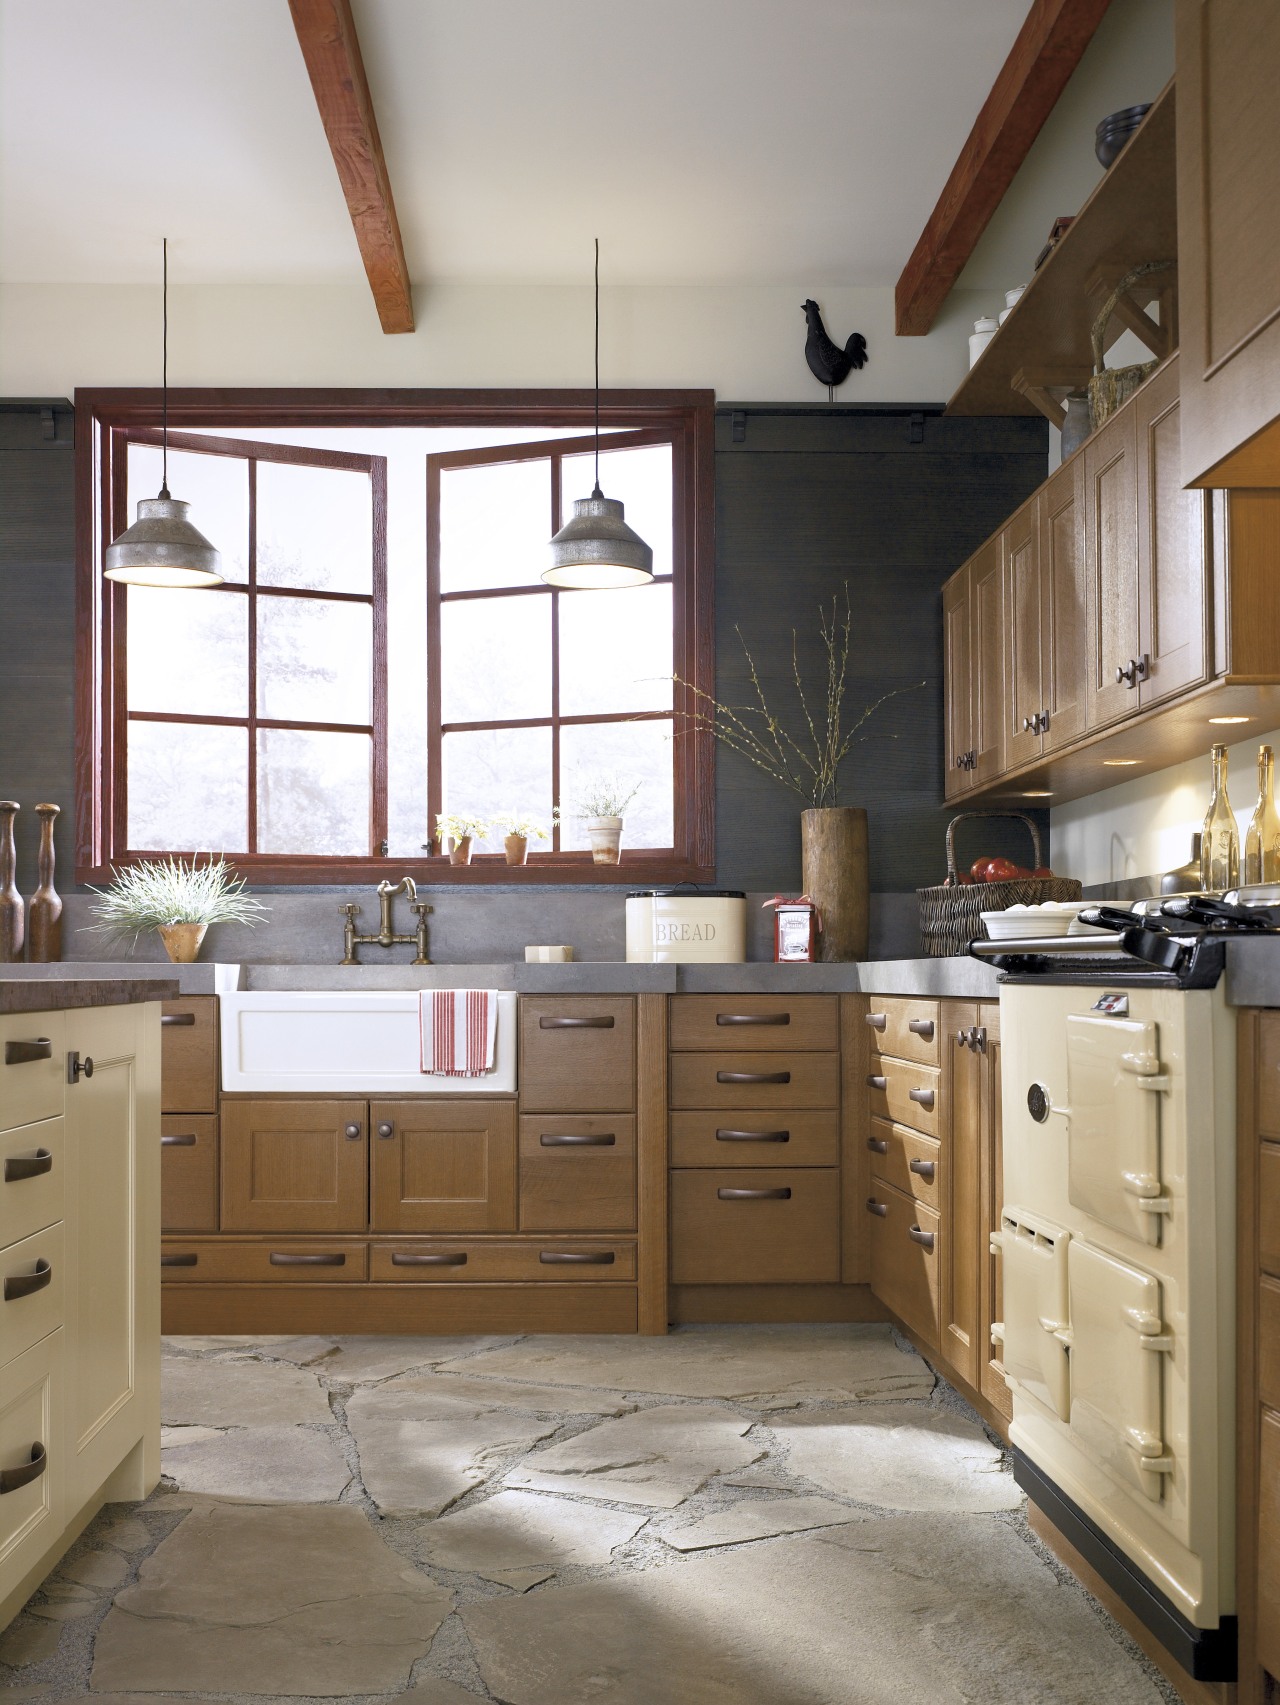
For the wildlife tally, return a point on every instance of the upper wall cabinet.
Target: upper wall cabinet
(1228, 69)
(973, 638)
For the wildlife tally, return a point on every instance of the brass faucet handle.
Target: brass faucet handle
(421, 907)
(351, 909)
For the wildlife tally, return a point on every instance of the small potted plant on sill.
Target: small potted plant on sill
(459, 829)
(518, 831)
(600, 804)
(177, 899)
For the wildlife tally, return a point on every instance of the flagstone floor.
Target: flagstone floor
(728, 1516)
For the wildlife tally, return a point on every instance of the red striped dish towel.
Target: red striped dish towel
(459, 1030)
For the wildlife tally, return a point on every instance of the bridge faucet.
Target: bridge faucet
(386, 936)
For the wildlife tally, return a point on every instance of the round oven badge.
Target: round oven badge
(1038, 1103)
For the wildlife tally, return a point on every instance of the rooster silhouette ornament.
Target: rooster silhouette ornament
(827, 361)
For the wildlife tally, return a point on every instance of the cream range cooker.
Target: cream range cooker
(1117, 1245)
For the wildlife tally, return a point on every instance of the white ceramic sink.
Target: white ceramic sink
(360, 1043)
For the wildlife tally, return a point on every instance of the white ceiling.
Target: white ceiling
(703, 141)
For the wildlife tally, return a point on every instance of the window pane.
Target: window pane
(615, 650)
(632, 752)
(495, 659)
(188, 651)
(314, 660)
(314, 792)
(641, 479)
(495, 522)
(216, 487)
(499, 770)
(315, 528)
(188, 787)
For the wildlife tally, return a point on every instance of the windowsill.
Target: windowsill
(637, 869)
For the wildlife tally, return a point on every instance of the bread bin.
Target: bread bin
(686, 926)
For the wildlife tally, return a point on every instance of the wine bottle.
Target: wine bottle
(1262, 842)
(1220, 839)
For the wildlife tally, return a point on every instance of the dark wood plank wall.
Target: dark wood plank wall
(37, 624)
(891, 501)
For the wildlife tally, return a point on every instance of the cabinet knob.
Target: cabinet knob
(78, 1068)
(352, 1133)
(1028, 726)
(1131, 673)
(386, 1129)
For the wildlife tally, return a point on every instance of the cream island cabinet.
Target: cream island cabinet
(79, 1245)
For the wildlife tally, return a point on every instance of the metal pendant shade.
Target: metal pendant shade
(596, 550)
(162, 548)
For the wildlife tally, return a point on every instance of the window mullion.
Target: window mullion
(252, 802)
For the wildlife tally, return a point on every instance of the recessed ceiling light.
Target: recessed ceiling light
(1117, 763)
(1230, 719)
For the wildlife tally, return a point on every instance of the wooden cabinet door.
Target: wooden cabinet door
(1268, 1575)
(1173, 548)
(958, 719)
(294, 1165)
(986, 654)
(188, 1172)
(1024, 697)
(991, 1160)
(1111, 555)
(1228, 67)
(189, 1055)
(959, 1268)
(907, 1248)
(443, 1165)
(1064, 612)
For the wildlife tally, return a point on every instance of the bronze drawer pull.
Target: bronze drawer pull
(280, 1260)
(924, 1098)
(923, 1169)
(726, 1136)
(877, 1020)
(179, 1260)
(782, 1194)
(879, 1209)
(566, 1258)
(923, 1238)
(577, 1139)
(753, 1077)
(875, 1081)
(575, 1023)
(184, 1019)
(186, 1141)
(18, 1285)
(452, 1259)
(12, 1478)
(18, 1166)
(753, 1018)
(878, 1145)
(922, 1027)
(23, 1053)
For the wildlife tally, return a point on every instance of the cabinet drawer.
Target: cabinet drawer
(1268, 1531)
(907, 1029)
(31, 1275)
(189, 1172)
(904, 1264)
(1269, 1342)
(905, 1094)
(32, 1067)
(802, 1136)
(31, 1179)
(304, 1260)
(578, 1054)
(1269, 1207)
(455, 1261)
(31, 1430)
(760, 1022)
(761, 1081)
(189, 1055)
(908, 1161)
(578, 1172)
(741, 1227)
(294, 1165)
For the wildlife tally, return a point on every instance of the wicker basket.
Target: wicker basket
(1111, 387)
(951, 915)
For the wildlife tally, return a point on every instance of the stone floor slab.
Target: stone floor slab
(657, 1457)
(361, 1360)
(172, 1437)
(239, 1393)
(899, 1457)
(262, 1465)
(764, 1518)
(521, 1530)
(777, 1363)
(25, 1643)
(102, 1570)
(270, 1600)
(446, 1392)
(436, 1691)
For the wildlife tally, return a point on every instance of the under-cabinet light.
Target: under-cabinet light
(1227, 719)
(1117, 763)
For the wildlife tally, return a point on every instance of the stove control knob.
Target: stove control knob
(1038, 1103)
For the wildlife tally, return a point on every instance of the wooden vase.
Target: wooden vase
(12, 912)
(182, 941)
(833, 844)
(44, 931)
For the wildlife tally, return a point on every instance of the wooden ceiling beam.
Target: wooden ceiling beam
(1050, 43)
(331, 50)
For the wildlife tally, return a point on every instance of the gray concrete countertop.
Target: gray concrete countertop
(47, 994)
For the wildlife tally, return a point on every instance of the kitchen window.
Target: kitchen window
(383, 647)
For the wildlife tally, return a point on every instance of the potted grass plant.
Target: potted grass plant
(176, 898)
(600, 803)
(459, 829)
(518, 831)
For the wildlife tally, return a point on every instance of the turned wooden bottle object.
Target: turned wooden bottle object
(44, 927)
(11, 908)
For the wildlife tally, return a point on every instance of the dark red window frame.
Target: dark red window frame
(106, 418)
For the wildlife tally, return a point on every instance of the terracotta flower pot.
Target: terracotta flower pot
(460, 851)
(182, 941)
(605, 835)
(517, 847)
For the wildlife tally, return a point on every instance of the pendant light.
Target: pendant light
(597, 551)
(162, 548)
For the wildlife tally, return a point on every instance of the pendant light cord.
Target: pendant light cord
(164, 373)
(597, 492)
